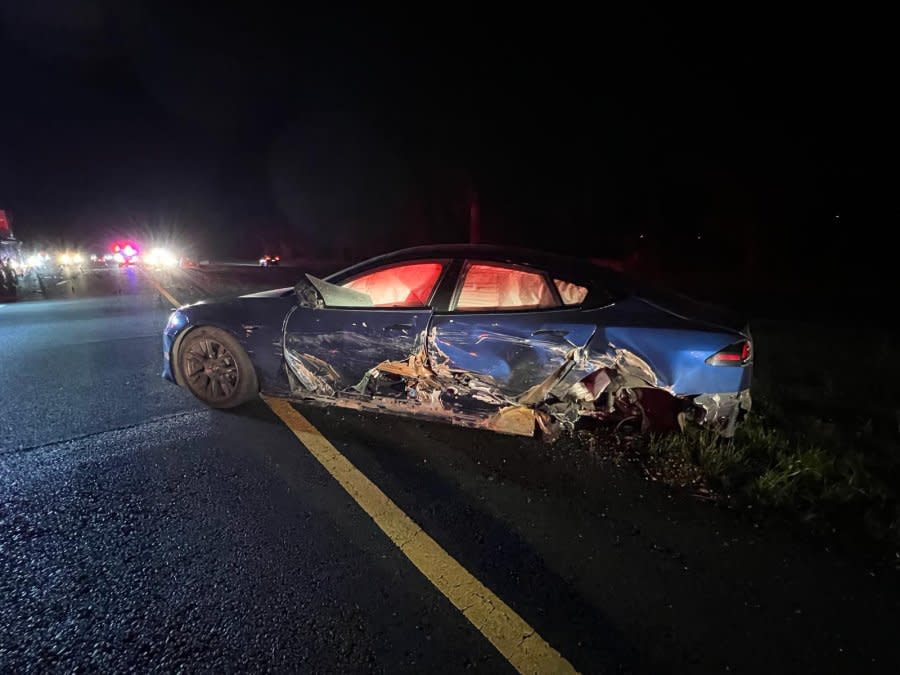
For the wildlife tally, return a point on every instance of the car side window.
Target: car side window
(571, 294)
(398, 286)
(487, 287)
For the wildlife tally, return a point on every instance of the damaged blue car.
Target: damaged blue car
(510, 340)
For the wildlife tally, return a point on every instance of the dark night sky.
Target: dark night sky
(237, 129)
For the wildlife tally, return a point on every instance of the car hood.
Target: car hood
(274, 293)
(235, 305)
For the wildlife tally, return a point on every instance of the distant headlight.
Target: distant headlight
(65, 259)
(77, 258)
(161, 258)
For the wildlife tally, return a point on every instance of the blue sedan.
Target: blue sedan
(511, 340)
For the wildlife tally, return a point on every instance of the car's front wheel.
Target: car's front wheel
(216, 368)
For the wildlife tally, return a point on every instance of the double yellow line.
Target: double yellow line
(517, 641)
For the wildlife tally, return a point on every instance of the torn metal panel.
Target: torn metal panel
(722, 411)
(541, 391)
(513, 351)
(352, 342)
(310, 375)
(514, 419)
(589, 388)
(413, 369)
(452, 387)
(439, 413)
(625, 367)
(323, 368)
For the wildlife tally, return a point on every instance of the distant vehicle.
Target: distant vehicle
(510, 340)
(70, 258)
(70, 262)
(37, 261)
(269, 261)
(125, 254)
(160, 258)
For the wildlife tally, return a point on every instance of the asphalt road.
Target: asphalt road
(140, 530)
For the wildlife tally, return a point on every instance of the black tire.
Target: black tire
(216, 369)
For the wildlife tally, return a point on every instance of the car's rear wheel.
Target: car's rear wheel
(216, 369)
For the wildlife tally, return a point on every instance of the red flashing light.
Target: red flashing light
(126, 248)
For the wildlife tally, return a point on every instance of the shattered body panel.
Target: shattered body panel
(512, 370)
(332, 349)
(620, 355)
(722, 411)
(513, 352)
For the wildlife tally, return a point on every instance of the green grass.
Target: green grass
(824, 485)
(822, 441)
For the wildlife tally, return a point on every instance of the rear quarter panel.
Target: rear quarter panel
(675, 349)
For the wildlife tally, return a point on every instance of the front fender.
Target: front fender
(255, 323)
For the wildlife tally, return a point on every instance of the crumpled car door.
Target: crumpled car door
(512, 351)
(328, 350)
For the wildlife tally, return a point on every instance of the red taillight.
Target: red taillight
(738, 354)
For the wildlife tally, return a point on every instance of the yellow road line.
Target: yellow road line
(510, 634)
(162, 291)
(527, 651)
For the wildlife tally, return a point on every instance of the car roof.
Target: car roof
(553, 263)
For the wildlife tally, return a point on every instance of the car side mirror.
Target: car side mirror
(308, 295)
(332, 295)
